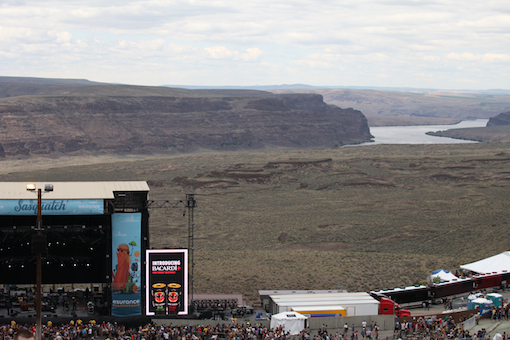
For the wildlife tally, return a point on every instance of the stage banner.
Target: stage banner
(52, 207)
(126, 264)
(166, 278)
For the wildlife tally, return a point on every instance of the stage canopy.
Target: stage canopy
(291, 321)
(496, 263)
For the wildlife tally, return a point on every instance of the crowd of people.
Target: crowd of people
(367, 332)
(500, 313)
(445, 328)
(113, 331)
(423, 328)
(440, 328)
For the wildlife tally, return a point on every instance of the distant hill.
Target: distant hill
(500, 120)
(418, 103)
(252, 87)
(24, 86)
(385, 106)
(75, 117)
(79, 116)
(378, 104)
(496, 131)
(377, 88)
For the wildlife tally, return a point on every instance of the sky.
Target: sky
(441, 44)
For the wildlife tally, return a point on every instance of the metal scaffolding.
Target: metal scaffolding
(190, 204)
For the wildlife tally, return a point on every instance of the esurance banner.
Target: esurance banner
(166, 275)
(52, 207)
(126, 264)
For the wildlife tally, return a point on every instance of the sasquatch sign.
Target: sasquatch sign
(166, 282)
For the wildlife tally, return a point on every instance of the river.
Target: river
(416, 134)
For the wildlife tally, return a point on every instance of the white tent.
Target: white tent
(290, 321)
(443, 275)
(496, 263)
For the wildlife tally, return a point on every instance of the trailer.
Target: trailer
(281, 303)
(354, 303)
(321, 311)
(437, 292)
(412, 296)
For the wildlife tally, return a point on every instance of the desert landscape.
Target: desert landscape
(328, 145)
(282, 204)
(366, 217)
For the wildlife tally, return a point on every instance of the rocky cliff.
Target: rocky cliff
(499, 120)
(129, 119)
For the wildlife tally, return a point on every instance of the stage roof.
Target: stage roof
(340, 299)
(496, 263)
(264, 294)
(71, 190)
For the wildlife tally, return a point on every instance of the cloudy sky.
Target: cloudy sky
(445, 44)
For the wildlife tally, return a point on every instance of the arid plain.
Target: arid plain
(366, 217)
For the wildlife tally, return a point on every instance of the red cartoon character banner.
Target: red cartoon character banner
(126, 264)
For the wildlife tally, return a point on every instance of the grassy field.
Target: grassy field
(366, 217)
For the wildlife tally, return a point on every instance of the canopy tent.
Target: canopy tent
(290, 321)
(443, 275)
(496, 263)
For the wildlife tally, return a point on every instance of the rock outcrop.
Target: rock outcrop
(499, 120)
(120, 119)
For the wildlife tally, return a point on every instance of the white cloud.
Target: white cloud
(487, 57)
(417, 47)
(220, 52)
(466, 56)
(431, 58)
(326, 42)
(252, 54)
(63, 37)
(496, 57)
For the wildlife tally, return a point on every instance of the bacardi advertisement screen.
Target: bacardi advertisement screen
(166, 282)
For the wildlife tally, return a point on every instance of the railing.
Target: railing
(422, 333)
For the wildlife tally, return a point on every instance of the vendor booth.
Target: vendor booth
(442, 275)
(291, 322)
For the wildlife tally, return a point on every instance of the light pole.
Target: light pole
(191, 204)
(38, 245)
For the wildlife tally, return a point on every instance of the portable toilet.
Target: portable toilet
(497, 299)
(484, 305)
(470, 300)
(481, 303)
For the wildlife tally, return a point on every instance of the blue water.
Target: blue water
(416, 134)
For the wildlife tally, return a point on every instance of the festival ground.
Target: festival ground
(82, 312)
